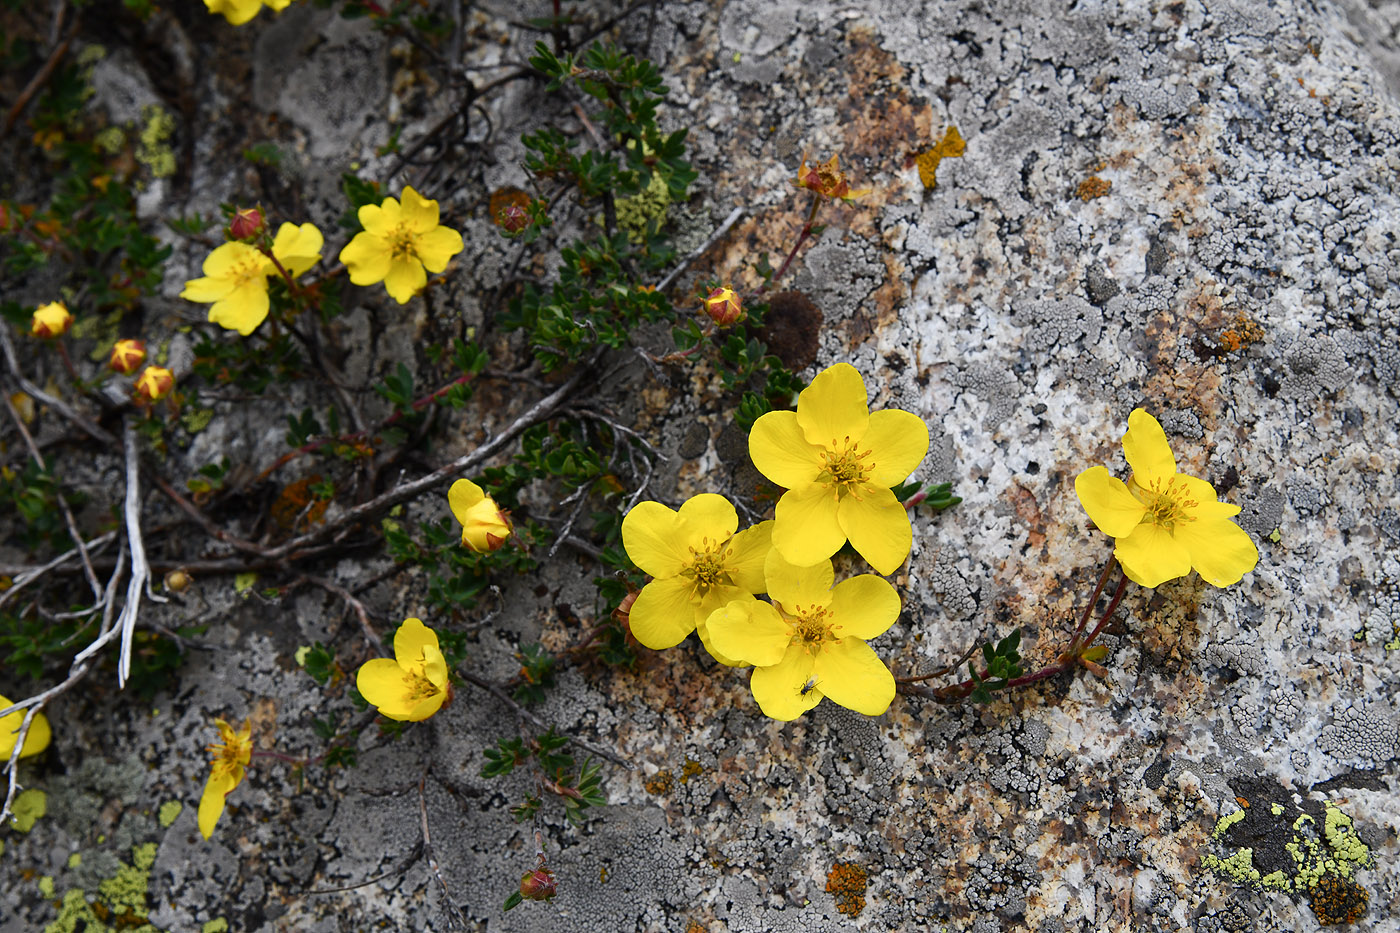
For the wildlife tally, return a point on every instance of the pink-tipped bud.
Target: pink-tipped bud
(50, 320)
(247, 223)
(513, 218)
(538, 885)
(127, 356)
(723, 306)
(154, 384)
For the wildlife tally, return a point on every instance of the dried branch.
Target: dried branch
(57, 404)
(140, 570)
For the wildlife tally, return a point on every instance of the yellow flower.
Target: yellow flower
(127, 355)
(230, 763)
(810, 642)
(484, 526)
(837, 461)
(698, 565)
(50, 320)
(238, 12)
(1164, 523)
(236, 274)
(828, 181)
(413, 686)
(400, 245)
(154, 384)
(35, 740)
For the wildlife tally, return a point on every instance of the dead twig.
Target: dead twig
(27, 576)
(700, 250)
(140, 571)
(351, 602)
(453, 913)
(57, 404)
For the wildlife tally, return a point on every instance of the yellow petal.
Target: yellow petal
(1151, 556)
(298, 248)
(461, 498)
(780, 451)
(793, 586)
(380, 219)
(863, 606)
(653, 537)
(366, 257)
(834, 407)
(1207, 506)
(437, 246)
(703, 631)
(225, 260)
(242, 309)
(418, 212)
(898, 441)
(381, 682)
(206, 289)
(406, 278)
(1221, 551)
(850, 673)
(749, 630)
(35, 740)
(805, 526)
(1110, 505)
(663, 614)
(409, 643)
(237, 12)
(878, 527)
(1145, 445)
(779, 689)
(745, 556)
(709, 516)
(211, 802)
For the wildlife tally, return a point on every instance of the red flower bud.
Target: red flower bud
(538, 885)
(154, 383)
(724, 307)
(127, 356)
(247, 223)
(513, 218)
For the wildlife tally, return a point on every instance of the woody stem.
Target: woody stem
(792, 254)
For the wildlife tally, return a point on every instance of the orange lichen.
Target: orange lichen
(690, 769)
(847, 882)
(952, 146)
(1093, 187)
(1241, 334)
(659, 783)
(297, 506)
(1337, 900)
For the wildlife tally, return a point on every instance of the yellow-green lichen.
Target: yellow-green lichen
(28, 807)
(121, 900)
(75, 860)
(1347, 848)
(1276, 809)
(196, 419)
(1239, 866)
(641, 213)
(1226, 822)
(1277, 880)
(217, 925)
(168, 813)
(154, 150)
(46, 886)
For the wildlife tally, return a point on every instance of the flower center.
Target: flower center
(846, 467)
(812, 628)
(249, 270)
(707, 570)
(416, 687)
(403, 243)
(229, 757)
(1167, 503)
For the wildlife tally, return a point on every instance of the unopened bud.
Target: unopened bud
(177, 581)
(127, 356)
(538, 885)
(723, 306)
(247, 223)
(50, 320)
(154, 383)
(513, 218)
(622, 615)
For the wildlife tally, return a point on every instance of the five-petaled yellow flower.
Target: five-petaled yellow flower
(51, 320)
(400, 245)
(35, 740)
(698, 565)
(1164, 523)
(230, 763)
(413, 686)
(810, 642)
(485, 527)
(838, 460)
(238, 12)
(236, 274)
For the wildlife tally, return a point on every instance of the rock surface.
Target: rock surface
(1187, 207)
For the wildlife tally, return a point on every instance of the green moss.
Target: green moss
(1226, 822)
(169, 812)
(1239, 866)
(154, 150)
(28, 807)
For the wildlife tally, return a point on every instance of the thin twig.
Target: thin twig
(140, 570)
(366, 626)
(28, 576)
(500, 694)
(699, 251)
(57, 404)
(453, 913)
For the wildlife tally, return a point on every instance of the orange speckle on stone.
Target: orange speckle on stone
(1093, 187)
(659, 783)
(690, 769)
(1337, 900)
(847, 882)
(951, 146)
